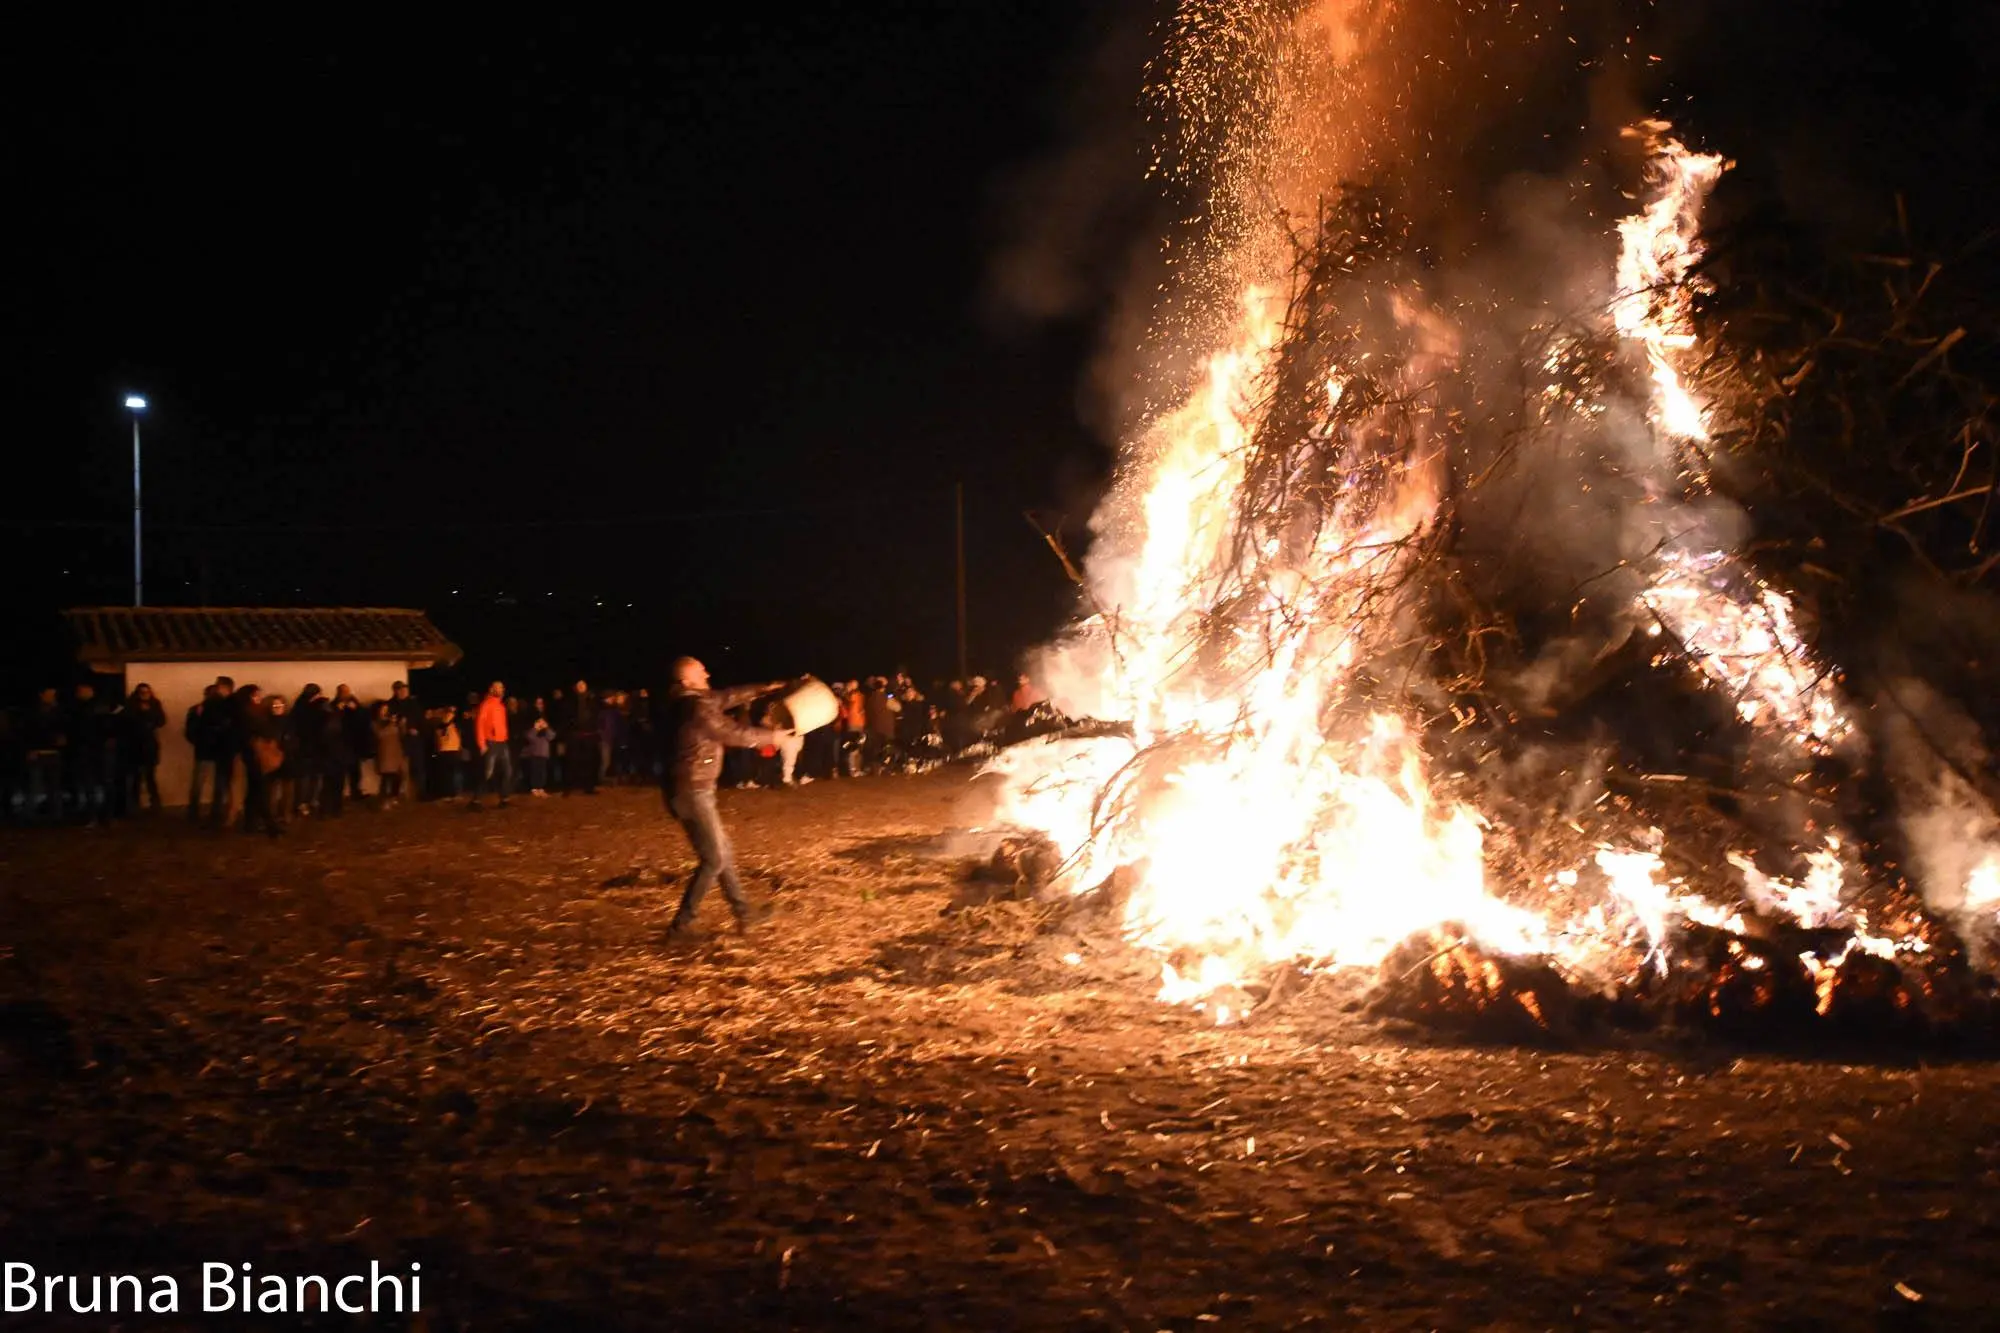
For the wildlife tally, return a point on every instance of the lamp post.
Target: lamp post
(135, 405)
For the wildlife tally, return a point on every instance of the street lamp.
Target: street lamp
(135, 405)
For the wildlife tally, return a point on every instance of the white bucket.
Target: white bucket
(809, 704)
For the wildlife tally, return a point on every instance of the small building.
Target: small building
(180, 650)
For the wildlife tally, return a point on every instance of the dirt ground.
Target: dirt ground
(462, 1039)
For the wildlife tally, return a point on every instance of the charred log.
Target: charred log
(1443, 980)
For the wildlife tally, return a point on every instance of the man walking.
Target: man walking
(490, 732)
(701, 729)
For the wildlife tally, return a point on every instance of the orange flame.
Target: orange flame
(1660, 248)
(1262, 812)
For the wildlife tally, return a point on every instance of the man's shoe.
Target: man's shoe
(748, 921)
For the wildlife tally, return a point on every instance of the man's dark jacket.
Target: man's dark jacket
(702, 728)
(217, 726)
(409, 710)
(357, 728)
(579, 715)
(139, 730)
(310, 719)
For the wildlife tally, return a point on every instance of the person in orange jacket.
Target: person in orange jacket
(490, 731)
(853, 728)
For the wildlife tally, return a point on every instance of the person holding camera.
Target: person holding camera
(535, 749)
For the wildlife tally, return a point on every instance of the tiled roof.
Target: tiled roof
(114, 635)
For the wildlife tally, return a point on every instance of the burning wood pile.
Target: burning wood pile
(1441, 612)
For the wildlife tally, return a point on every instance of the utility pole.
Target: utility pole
(958, 512)
(135, 405)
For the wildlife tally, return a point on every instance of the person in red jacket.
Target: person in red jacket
(490, 731)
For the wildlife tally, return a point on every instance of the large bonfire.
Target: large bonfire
(1294, 586)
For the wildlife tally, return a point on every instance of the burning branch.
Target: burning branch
(1324, 548)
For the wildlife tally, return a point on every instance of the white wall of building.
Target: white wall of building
(179, 685)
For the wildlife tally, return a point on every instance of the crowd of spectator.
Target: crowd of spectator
(887, 724)
(263, 760)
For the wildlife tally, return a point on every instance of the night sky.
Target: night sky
(504, 323)
(695, 320)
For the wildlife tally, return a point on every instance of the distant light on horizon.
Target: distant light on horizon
(135, 402)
